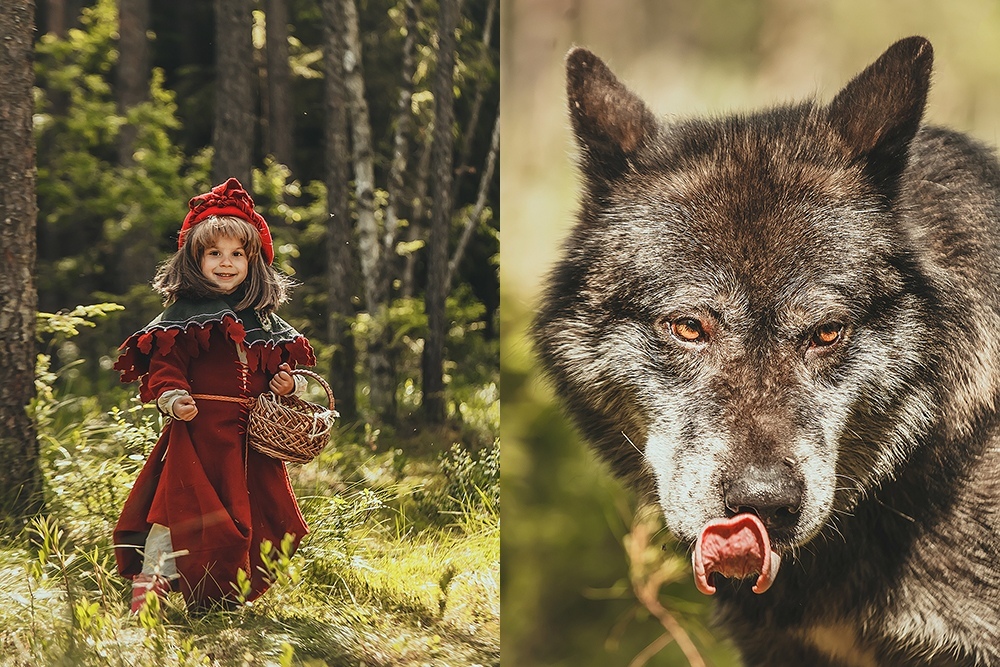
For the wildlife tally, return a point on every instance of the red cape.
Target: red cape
(219, 498)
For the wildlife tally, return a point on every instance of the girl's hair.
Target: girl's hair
(181, 275)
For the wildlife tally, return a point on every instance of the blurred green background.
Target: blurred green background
(565, 594)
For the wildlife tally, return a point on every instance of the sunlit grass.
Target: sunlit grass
(401, 566)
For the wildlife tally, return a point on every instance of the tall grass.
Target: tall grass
(401, 566)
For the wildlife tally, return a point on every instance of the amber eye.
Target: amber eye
(688, 330)
(827, 334)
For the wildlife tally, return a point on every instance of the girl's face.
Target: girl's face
(224, 263)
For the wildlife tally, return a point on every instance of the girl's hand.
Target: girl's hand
(185, 409)
(283, 383)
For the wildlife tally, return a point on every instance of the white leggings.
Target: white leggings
(158, 556)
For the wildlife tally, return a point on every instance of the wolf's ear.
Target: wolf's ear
(609, 120)
(879, 111)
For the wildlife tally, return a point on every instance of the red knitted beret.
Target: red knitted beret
(227, 199)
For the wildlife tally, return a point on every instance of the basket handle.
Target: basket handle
(320, 380)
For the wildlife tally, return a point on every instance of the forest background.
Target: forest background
(576, 555)
(368, 135)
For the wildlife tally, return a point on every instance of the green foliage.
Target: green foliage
(104, 225)
(83, 193)
(340, 516)
(472, 480)
(278, 562)
(67, 325)
(471, 374)
(242, 585)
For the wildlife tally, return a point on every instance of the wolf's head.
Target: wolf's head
(737, 320)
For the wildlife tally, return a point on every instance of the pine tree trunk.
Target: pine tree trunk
(341, 278)
(442, 159)
(138, 248)
(55, 13)
(20, 484)
(133, 68)
(280, 126)
(233, 134)
(401, 148)
(382, 380)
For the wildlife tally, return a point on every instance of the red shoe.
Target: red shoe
(142, 584)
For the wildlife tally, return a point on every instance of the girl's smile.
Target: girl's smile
(224, 264)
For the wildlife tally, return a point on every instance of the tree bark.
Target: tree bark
(280, 124)
(133, 69)
(20, 482)
(442, 159)
(55, 17)
(341, 279)
(382, 381)
(401, 149)
(233, 133)
(138, 247)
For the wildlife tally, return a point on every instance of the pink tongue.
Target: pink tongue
(736, 548)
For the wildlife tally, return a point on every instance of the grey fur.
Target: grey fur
(763, 233)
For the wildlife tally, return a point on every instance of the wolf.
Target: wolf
(784, 326)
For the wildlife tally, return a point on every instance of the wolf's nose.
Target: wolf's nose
(771, 492)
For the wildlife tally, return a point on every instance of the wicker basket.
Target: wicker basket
(289, 428)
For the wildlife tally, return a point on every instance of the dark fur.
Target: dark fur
(764, 228)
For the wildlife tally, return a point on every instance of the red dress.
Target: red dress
(219, 498)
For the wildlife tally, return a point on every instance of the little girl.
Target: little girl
(204, 501)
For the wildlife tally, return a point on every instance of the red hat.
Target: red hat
(227, 199)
